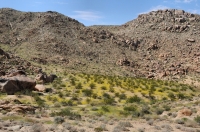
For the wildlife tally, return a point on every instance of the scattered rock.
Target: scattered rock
(191, 40)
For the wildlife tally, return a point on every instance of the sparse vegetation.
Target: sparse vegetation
(91, 88)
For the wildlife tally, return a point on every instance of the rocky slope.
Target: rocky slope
(160, 44)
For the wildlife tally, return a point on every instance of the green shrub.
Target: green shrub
(66, 112)
(181, 96)
(87, 92)
(106, 95)
(105, 108)
(39, 101)
(112, 90)
(79, 86)
(159, 111)
(166, 108)
(108, 101)
(122, 96)
(103, 87)
(92, 85)
(197, 119)
(59, 119)
(171, 96)
(131, 108)
(133, 99)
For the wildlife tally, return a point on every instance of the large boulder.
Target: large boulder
(11, 85)
(42, 77)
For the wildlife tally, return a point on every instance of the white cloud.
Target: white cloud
(87, 15)
(183, 1)
(159, 7)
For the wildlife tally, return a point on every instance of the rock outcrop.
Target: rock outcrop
(11, 85)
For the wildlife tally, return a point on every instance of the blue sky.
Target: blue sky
(101, 12)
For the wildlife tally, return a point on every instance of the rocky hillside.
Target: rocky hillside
(160, 44)
(10, 62)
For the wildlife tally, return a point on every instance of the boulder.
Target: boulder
(40, 88)
(190, 40)
(42, 77)
(11, 85)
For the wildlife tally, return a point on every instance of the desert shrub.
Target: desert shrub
(150, 122)
(68, 113)
(94, 109)
(122, 96)
(167, 127)
(60, 94)
(98, 129)
(180, 121)
(117, 94)
(87, 92)
(62, 85)
(133, 99)
(106, 95)
(145, 110)
(125, 124)
(59, 119)
(101, 128)
(73, 82)
(181, 96)
(131, 108)
(108, 101)
(94, 95)
(103, 87)
(112, 90)
(64, 103)
(39, 101)
(171, 96)
(38, 128)
(79, 86)
(197, 119)
(159, 111)
(57, 104)
(70, 102)
(105, 108)
(92, 85)
(166, 107)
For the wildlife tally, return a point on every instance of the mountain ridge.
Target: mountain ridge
(160, 44)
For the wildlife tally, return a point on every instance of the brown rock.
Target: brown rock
(40, 88)
(42, 77)
(11, 85)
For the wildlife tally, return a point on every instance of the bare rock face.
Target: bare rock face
(11, 85)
